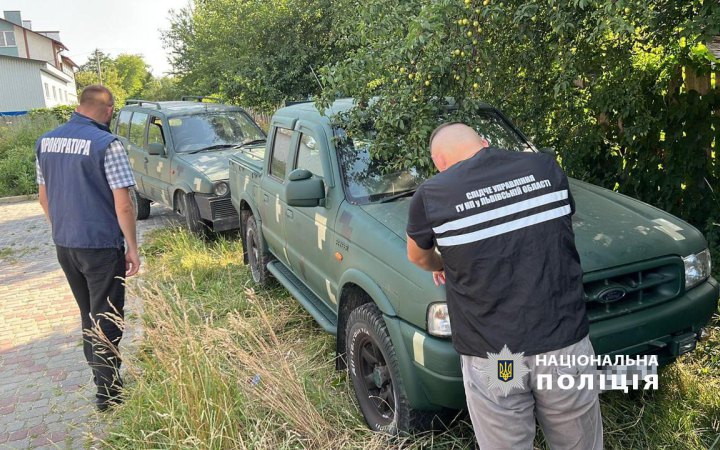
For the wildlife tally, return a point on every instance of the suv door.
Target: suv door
(136, 153)
(158, 166)
(310, 236)
(272, 208)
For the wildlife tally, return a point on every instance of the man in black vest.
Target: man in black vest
(501, 223)
(84, 175)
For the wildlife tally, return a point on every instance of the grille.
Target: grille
(618, 291)
(221, 208)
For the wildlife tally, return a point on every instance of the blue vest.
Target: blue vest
(81, 203)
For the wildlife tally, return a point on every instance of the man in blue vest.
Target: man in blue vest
(83, 175)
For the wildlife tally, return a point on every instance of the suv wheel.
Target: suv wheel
(257, 259)
(189, 210)
(375, 373)
(141, 205)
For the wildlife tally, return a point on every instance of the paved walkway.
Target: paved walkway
(46, 390)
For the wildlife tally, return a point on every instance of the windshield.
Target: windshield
(217, 130)
(366, 182)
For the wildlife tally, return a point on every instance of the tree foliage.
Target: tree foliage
(257, 53)
(126, 75)
(598, 80)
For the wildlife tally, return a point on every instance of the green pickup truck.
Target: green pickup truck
(179, 151)
(328, 223)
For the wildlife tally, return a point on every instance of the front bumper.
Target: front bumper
(431, 368)
(218, 212)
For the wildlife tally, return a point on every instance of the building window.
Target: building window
(7, 39)
(54, 93)
(47, 91)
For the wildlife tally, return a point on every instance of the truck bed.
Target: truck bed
(245, 170)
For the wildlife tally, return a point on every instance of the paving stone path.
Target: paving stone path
(46, 390)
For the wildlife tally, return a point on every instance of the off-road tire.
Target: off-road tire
(141, 205)
(385, 408)
(190, 211)
(257, 258)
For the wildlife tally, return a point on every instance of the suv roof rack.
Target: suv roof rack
(139, 102)
(198, 98)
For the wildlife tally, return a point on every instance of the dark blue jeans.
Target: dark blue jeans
(94, 276)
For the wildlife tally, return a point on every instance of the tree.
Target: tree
(597, 79)
(254, 52)
(163, 88)
(133, 73)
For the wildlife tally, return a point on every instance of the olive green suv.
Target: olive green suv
(179, 151)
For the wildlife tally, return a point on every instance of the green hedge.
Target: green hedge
(17, 150)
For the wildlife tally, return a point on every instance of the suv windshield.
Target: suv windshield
(213, 131)
(366, 182)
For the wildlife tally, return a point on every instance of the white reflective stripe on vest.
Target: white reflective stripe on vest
(505, 227)
(502, 212)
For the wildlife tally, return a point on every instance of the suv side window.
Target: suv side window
(123, 123)
(280, 152)
(137, 129)
(309, 156)
(156, 132)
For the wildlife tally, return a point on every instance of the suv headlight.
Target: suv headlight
(438, 320)
(221, 189)
(697, 268)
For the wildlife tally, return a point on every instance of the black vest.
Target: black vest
(502, 223)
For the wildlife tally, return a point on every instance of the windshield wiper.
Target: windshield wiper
(398, 195)
(252, 141)
(212, 147)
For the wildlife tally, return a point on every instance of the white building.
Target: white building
(33, 71)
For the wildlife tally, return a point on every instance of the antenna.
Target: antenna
(322, 88)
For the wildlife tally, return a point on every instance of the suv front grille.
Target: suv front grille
(614, 292)
(221, 208)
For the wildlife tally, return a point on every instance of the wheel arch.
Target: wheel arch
(356, 289)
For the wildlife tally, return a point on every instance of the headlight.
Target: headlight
(438, 320)
(697, 268)
(221, 189)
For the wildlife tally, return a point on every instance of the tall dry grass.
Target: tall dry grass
(224, 366)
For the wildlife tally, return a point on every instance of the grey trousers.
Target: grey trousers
(570, 419)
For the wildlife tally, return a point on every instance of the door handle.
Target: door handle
(289, 213)
(146, 160)
(265, 198)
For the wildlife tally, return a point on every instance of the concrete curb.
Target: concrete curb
(17, 199)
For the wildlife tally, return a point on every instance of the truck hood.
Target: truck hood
(611, 229)
(213, 164)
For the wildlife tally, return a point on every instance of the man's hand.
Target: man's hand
(439, 277)
(132, 263)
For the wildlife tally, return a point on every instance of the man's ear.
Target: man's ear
(439, 160)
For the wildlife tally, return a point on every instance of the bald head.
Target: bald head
(453, 142)
(97, 102)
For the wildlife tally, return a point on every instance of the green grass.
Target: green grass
(17, 153)
(208, 334)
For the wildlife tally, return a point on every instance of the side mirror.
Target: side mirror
(303, 190)
(156, 149)
(548, 150)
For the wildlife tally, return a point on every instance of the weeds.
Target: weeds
(225, 366)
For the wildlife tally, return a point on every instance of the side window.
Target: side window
(309, 156)
(137, 129)
(280, 152)
(156, 133)
(123, 123)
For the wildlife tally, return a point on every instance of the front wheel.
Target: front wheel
(190, 211)
(141, 205)
(375, 373)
